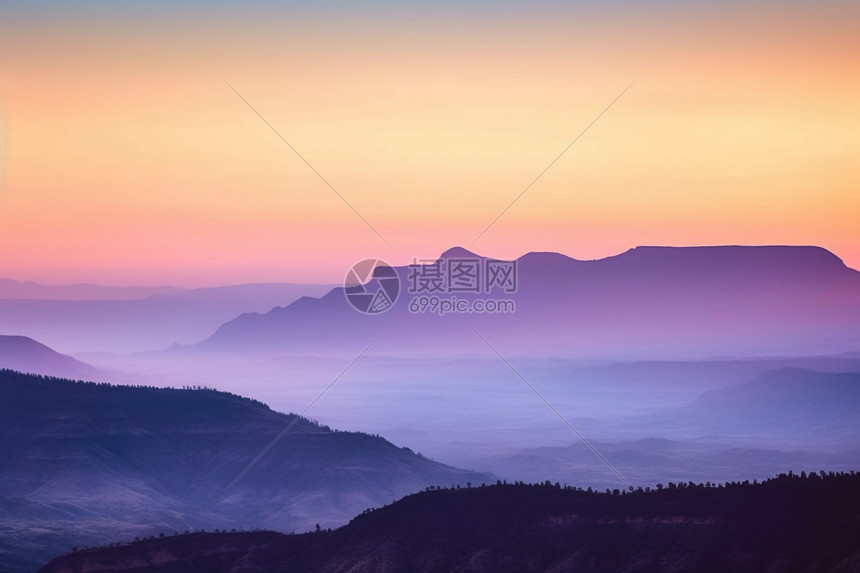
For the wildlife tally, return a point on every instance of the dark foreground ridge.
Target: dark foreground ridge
(789, 523)
(83, 463)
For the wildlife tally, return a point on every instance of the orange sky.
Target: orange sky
(128, 160)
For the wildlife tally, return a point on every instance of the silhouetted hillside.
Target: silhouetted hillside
(791, 523)
(82, 461)
(26, 355)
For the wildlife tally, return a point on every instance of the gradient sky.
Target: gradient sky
(127, 160)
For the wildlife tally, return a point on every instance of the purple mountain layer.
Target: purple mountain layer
(646, 302)
(26, 355)
(74, 319)
(15, 290)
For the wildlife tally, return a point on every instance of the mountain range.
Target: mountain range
(780, 419)
(82, 462)
(786, 404)
(90, 318)
(688, 302)
(791, 523)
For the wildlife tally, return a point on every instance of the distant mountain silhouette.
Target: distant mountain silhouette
(26, 355)
(652, 460)
(83, 461)
(458, 253)
(86, 318)
(29, 290)
(788, 403)
(790, 523)
(646, 302)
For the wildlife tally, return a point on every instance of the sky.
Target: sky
(128, 159)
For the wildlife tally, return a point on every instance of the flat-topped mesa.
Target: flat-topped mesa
(786, 256)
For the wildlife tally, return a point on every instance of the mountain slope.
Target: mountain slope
(786, 524)
(649, 301)
(784, 403)
(135, 319)
(83, 461)
(26, 355)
